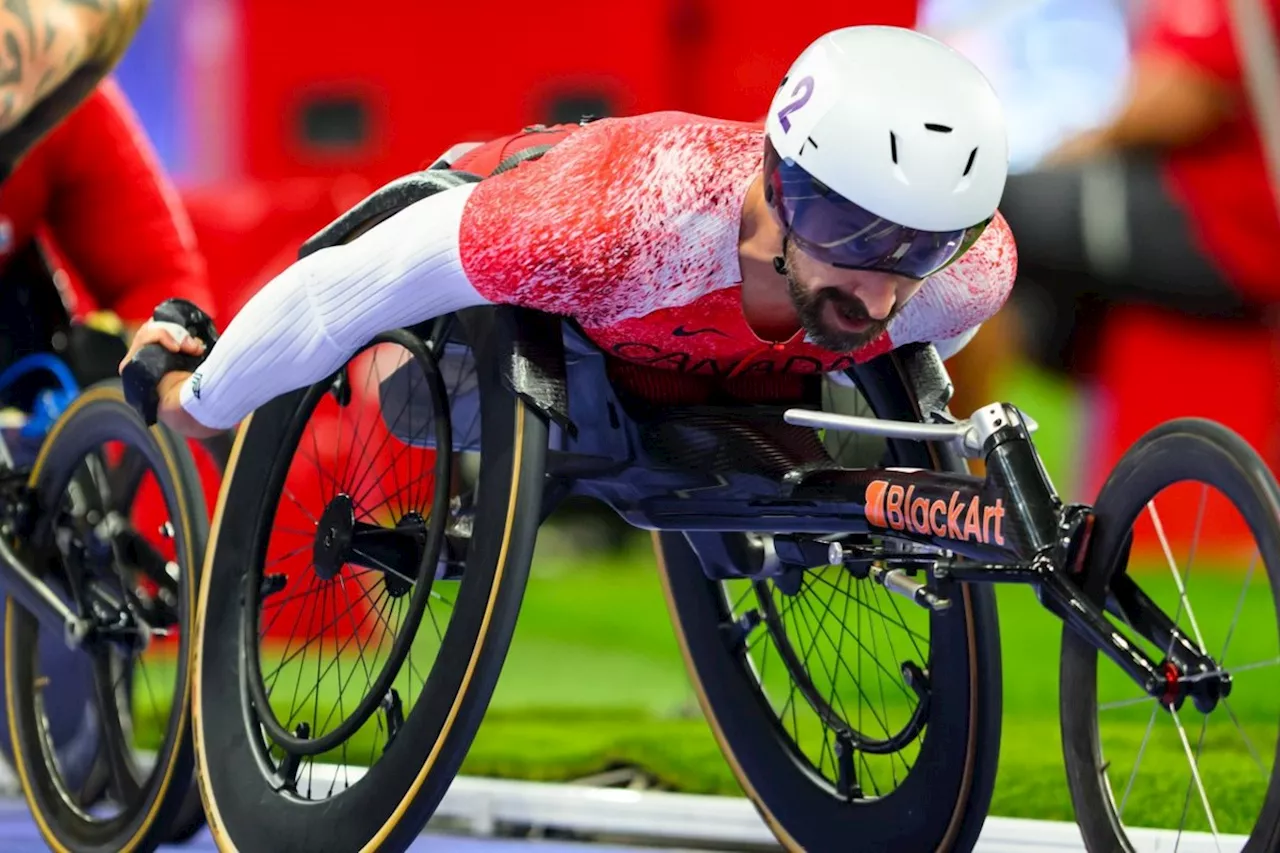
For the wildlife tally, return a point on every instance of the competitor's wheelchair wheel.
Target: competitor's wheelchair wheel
(96, 556)
(912, 766)
(1204, 762)
(436, 565)
(133, 491)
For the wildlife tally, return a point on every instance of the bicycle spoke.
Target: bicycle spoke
(893, 678)
(1195, 774)
(323, 628)
(434, 623)
(1177, 577)
(898, 622)
(1253, 751)
(884, 726)
(300, 505)
(861, 724)
(361, 555)
(373, 457)
(1125, 703)
(876, 591)
(1142, 748)
(293, 631)
(1235, 617)
(1201, 676)
(140, 667)
(826, 728)
(1186, 798)
(781, 617)
(736, 607)
(123, 784)
(289, 556)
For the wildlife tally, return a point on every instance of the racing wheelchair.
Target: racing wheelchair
(437, 451)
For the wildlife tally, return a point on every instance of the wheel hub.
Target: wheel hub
(397, 585)
(333, 537)
(1206, 686)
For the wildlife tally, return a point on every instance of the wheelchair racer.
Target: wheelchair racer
(56, 52)
(94, 188)
(97, 188)
(860, 217)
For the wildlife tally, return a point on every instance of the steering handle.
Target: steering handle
(141, 376)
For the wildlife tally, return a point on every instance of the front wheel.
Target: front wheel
(851, 718)
(1190, 518)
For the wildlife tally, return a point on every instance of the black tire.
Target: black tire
(97, 416)
(72, 716)
(942, 804)
(389, 806)
(1181, 450)
(126, 482)
(191, 819)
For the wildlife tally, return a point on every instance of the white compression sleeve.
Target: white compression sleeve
(305, 323)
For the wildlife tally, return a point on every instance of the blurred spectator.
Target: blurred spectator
(1059, 66)
(1168, 203)
(94, 187)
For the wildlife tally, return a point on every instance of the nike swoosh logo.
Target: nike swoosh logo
(681, 332)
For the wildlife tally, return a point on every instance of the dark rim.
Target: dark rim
(277, 760)
(98, 418)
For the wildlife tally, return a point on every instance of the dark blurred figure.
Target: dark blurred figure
(1168, 204)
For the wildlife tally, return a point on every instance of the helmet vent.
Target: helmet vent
(893, 147)
(937, 128)
(969, 165)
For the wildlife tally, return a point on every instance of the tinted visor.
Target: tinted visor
(829, 228)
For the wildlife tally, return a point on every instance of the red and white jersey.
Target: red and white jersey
(631, 227)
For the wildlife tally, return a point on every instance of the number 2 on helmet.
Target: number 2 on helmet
(800, 99)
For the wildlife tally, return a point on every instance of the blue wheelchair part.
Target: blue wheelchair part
(50, 403)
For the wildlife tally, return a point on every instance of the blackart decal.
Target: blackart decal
(957, 517)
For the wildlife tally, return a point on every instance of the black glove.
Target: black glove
(142, 375)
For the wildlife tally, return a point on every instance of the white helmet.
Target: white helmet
(885, 149)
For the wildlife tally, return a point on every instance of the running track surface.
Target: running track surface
(18, 834)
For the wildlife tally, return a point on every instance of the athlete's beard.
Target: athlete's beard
(811, 308)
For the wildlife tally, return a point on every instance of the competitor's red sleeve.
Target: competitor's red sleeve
(114, 213)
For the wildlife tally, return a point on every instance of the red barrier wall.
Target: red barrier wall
(394, 83)
(1158, 366)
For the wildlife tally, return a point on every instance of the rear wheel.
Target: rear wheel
(134, 494)
(74, 727)
(349, 520)
(845, 712)
(136, 583)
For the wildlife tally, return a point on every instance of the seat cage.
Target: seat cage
(383, 203)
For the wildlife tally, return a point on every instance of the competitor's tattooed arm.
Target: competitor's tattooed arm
(45, 43)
